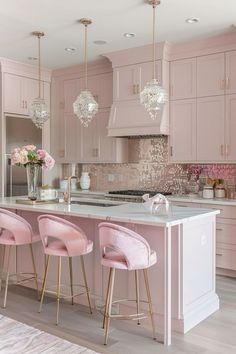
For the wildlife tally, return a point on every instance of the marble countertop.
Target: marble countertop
(128, 212)
(200, 200)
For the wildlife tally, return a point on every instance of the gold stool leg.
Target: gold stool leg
(85, 282)
(44, 283)
(7, 278)
(71, 280)
(58, 287)
(137, 293)
(145, 274)
(109, 307)
(106, 301)
(34, 268)
(2, 265)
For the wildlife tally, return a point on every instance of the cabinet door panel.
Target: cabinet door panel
(71, 91)
(107, 145)
(210, 75)
(210, 129)
(230, 147)
(101, 88)
(183, 130)
(30, 91)
(125, 79)
(90, 148)
(146, 73)
(183, 79)
(230, 58)
(13, 101)
(72, 138)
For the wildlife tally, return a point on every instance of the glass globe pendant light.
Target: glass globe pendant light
(153, 96)
(38, 110)
(85, 107)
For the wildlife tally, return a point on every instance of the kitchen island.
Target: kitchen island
(183, 280)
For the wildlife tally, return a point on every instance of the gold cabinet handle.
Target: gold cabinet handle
(134, 89)
(23, 104)
(227, 83)
(171, 90)
(26, 104)
(222, 84)
(62, 153)
(171, 151)
(137, 89)
(219, 254)
(219, 229)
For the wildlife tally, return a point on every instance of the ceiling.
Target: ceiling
(111, 19)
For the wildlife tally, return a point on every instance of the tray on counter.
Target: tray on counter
(37, 201)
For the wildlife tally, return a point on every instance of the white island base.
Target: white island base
(183, 280)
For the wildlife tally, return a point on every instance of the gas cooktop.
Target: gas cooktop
(138, 192)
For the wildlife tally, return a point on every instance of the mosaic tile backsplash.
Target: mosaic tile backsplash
(149, 169)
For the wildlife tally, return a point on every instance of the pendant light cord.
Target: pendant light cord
(85, 57)
(39, 62)
(153, 42)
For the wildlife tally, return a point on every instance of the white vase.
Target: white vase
(84, 180)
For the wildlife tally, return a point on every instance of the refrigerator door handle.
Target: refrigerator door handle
(9, 174)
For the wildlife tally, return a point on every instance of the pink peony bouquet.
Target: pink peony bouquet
(30, 155)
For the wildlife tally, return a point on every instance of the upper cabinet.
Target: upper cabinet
(130, 80)
(183, 82)
(211, 75)
(203, 87)
(19, 92)
(71, 141)
(230, 67)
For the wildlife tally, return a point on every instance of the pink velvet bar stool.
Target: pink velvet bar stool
(16, 231)
(124, 249)
(62, 238)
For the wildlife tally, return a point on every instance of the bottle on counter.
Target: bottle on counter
(208, 192)
(220, 191)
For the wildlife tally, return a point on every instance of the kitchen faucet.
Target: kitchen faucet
(67, 195)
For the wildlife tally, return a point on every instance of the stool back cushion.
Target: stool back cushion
(125, 242)
(18, 227)
(71, 235)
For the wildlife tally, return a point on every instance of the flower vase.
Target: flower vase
(32, 171)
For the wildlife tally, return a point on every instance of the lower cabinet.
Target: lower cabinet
(225, 236)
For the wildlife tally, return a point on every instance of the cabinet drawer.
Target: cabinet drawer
(225, 210)
(226, 258)
(226, 232)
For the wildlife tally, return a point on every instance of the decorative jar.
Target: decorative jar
(84, 180)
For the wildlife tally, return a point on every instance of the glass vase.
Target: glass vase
(32, 172)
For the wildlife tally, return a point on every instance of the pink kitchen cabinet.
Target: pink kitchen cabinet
(182, 143)
(230, 130)
(97, 147)
(183, 83)
(210, 129)
(71, 91)
(211, 75)
(130, 80)
(230, 65)
(19, 92)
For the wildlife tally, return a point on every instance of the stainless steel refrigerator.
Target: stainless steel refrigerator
(19, 131)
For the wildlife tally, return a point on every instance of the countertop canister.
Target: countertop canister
(84, 180)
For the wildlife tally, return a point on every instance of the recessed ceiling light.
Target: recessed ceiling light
(70, 49)
(129, 35)
(192, 20)
(100, 42)
(32, 58)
